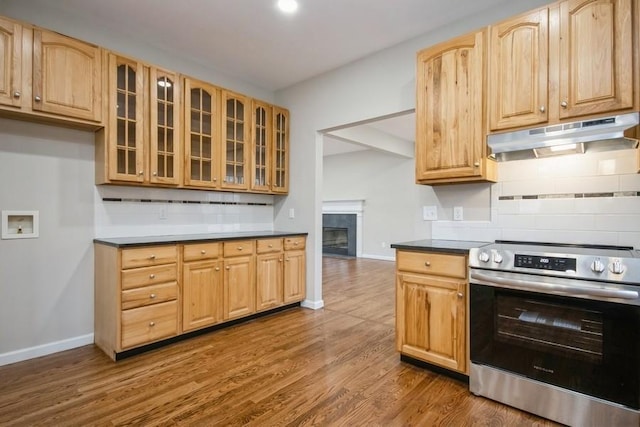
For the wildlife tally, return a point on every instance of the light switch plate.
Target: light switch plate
(430, 213)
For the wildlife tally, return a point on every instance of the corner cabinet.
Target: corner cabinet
(431, 307)
(569, 60)
(450, 114)
(141, 141)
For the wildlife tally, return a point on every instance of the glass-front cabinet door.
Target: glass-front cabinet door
(165, 138)
(261, 146)
(235, 128)
(280, 182)
(125, 122)
(202, 134)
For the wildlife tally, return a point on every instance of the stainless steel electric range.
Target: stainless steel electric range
(555, 330)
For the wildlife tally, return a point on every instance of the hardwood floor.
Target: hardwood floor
(331, 367)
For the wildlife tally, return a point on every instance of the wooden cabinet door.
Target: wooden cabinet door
(269, 280)
(261, 126)
(239, 286)
(165, 137)
(10, 63)
(450, 139)
(596, 66)
(201, 134)
(280, 166)
(430, 319)
(202, 294)
(236, 117)
(125, 128)
(67, 76)
(294, 276)
(518, 71)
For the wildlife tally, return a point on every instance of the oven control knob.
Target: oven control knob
(483, 256)
(597, 266)
(616, 267)
(497, 258)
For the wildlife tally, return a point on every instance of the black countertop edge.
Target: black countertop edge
(445, 246)
(185, 238)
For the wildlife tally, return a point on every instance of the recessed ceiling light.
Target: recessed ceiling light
(288, 6)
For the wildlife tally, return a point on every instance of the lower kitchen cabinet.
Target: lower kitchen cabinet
(202, 286)
(431, 301)
(269, 270)
(294, 276)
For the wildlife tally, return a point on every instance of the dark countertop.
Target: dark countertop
(446, 246)
(183, 238)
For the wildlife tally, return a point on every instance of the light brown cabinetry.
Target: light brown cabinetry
(236, 118)
(280, 162)
(431, 301)
(239, 279)
(270, 148)
(269, 271)
(48, 75)
(450, 116)
(136, 294)
(571, 59)
(202, 287)
(140, 142)
(294, 269)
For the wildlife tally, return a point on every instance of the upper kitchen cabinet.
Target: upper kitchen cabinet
(50, 76)
(571, 59)
(518, 71)
(450, 131)
(201, 134)
(236, 116)
(261, 146)
(280, 180)
(141, 140)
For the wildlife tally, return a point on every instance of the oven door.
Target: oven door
(584, 345)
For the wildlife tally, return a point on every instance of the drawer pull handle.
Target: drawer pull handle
(239, 248)
(270, 246)
(203, 252)
(152, 276)
(152, 323)
(152, 257)
(295, 243)
(427, 263)
(460, 294)
(16, 94)
(152, 296)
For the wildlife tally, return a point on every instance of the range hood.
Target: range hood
(602, 134)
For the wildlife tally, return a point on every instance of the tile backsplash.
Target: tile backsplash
(591, 198)
(137, 211)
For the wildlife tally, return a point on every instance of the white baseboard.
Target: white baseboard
(44, 349)
(314, 305)
(379, 257)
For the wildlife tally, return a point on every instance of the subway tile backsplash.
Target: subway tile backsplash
(136, 211)
(592, 198)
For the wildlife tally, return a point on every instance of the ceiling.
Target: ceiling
(253, 41)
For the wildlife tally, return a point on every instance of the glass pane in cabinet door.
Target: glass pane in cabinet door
(161, 114)
(195, 169)
(231, 108)
(230, 174)
(122, 104)
(121, 161)
(131, 162)
(161, 139)
(169, 144)
(131, 134)
(231, 151)
(206, 124)
(121, 133)
(240, 110)
(121, 77)
(131, 106)
(206, 147)
(169, 87)
(161, 168)
(206, 171)
(195, 121)
(195, 145)
(131, 80)
(169, 112)
(240, 132)
(240, 153)
(169, 166)
(195, 99)
(206, 102)
(231, 131)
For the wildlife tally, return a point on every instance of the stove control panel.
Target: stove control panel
(544, 262)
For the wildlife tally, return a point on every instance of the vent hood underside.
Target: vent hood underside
(603, 134)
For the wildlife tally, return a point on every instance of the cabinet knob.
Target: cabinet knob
(152, 323)
(155, 174)
(152, 296)
(427, 263)
(152, 276)
(564, 104)
(16, 94)
(217, 268)
(460, 294)
(215, 179)
(280, 260)
(203, 252)
(270, 246)
(295, 243)
(287, 259)
(239, 248)
(152, 257)
(38, 99)
(542, 109)
(227, 267)
(141, 173)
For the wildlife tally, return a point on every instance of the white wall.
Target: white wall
(378, 85)
(393, 203)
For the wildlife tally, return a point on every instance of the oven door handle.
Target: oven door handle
(556, 288)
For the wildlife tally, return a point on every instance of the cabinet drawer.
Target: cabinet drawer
(432, 263)
(147, 324)
(150, 255)
(198, 251)
(238, 247)
(291, 243)
(148, 295)
(145, 276)
(269, 245)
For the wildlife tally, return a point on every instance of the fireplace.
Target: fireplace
(339, 234)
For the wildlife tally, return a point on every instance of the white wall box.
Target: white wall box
(20, 224)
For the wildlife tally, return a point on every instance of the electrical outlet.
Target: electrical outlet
(384, 245)
(458, 213)
(292, 213)
(429, 213)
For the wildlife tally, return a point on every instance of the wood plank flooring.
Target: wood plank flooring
(331, 367)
